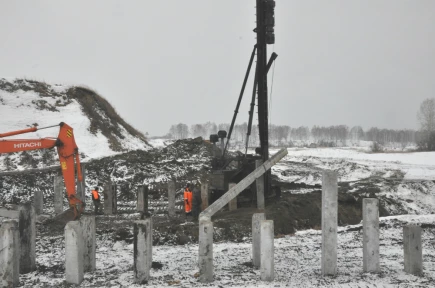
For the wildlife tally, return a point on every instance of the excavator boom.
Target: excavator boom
(17, 145)
(68, 157)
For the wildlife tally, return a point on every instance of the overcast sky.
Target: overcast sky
(368, 63)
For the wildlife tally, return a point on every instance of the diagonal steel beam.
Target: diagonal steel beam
(242, 185)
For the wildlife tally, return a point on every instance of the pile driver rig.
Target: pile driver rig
(222, 174)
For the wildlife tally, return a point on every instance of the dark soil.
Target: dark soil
(156, 265)
(290, 213)
(131, 170)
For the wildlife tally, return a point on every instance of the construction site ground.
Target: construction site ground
(291, 213)
(177, 239)
(402, 183)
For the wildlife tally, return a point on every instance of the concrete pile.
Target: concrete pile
(79, 249)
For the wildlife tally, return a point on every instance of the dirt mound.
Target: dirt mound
(42, 104)
(108, 122)
(41, 88)
(195, 147)
(185, 160)
(102, 115)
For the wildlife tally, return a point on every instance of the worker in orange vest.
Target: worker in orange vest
(96, 199)
(188, 200)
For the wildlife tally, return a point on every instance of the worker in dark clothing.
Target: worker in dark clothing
(277, 193)
(188, 200)
(96, 199)
(196, 202)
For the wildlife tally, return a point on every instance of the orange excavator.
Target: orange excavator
(67, 150)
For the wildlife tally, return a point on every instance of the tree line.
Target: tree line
(338, 135)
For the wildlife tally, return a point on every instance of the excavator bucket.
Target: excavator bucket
(66, 216)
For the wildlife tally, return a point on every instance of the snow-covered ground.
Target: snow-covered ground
(406, 178)
(297, 257)
(414, 158)
(297, 261)
(159, 142)
(414, 165)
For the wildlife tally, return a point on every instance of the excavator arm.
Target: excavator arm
(67, 151)
(10, 146)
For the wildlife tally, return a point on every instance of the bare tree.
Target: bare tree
(182, 130)
(240, 131)
(316, 132)
(254, 139)
(210, 127)
(373, 134)
(426, 117)
(356, 134)
(342, 133)
(179, 131)
(224, 126)
(173, 132)
(198, 130)
(403, 138)
(301, 133)
(283, 132)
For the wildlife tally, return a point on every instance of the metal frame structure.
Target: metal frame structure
(265, 35)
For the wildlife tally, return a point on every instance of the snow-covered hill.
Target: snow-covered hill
(98, 129)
